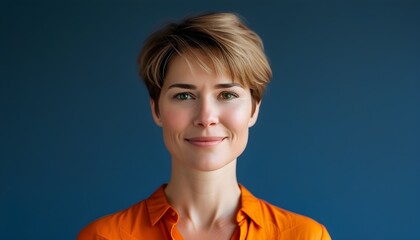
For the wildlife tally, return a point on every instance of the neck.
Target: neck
(204, 199)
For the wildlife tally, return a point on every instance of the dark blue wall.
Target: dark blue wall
(337, 138)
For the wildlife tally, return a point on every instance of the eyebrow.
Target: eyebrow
(191, 86)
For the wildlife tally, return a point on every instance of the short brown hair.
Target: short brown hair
(231, 46)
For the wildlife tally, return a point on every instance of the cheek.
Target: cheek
(174, 120)
(237, 118)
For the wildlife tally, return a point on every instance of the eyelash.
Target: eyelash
(231, 95)
(224, 96)
(181, 96)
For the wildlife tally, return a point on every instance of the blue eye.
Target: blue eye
(227, 95)
(183, 96)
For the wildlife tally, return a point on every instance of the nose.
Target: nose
(207, 114)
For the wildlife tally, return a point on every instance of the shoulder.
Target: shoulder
(272, 222)
(115, 225)
(287, 223)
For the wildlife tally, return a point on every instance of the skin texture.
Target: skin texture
(205, 120)
(205, 117)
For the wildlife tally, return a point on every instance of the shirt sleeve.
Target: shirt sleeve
(325, 235)
(90, 233)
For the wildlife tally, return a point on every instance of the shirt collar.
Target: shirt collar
(250, 206)
(158, 206)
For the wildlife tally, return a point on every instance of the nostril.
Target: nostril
(206, 122)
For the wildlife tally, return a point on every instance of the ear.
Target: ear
(155, 115)
(254, 116)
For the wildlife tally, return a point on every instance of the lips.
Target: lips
(205, 141)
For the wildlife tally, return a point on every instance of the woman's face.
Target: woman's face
(205, 117)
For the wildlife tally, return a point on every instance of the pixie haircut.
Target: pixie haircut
(231, 47)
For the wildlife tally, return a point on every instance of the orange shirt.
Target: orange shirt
(154, 218)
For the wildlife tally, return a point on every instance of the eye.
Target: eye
(228, 95)
(183, 96)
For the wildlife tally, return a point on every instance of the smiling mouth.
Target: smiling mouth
(205, 141)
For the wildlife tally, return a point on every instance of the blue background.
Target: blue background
(337, 137)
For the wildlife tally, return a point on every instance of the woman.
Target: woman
(205, 76)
